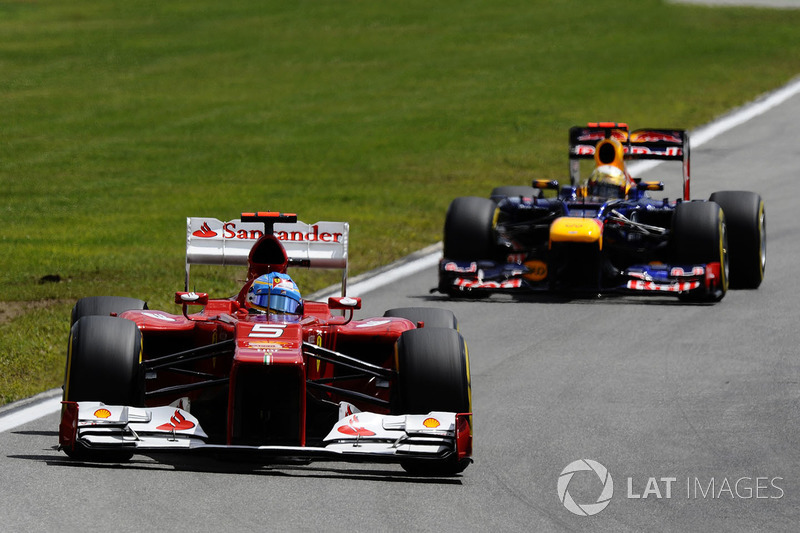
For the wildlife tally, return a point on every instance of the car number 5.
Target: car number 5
(267, 331)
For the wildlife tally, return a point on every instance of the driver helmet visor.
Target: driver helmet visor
(606, 190)
(276, 301)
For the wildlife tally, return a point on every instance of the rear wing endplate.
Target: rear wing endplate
(648, 143)
(210, 241)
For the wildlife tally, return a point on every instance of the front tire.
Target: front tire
(433, 375)
(103, 365)
(699, 236)
(745, 217)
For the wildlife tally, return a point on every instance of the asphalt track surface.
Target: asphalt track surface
(693, 409)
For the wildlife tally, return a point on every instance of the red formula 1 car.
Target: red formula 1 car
(265, 375)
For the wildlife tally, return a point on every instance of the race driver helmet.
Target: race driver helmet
(274, 293)
(607, 181)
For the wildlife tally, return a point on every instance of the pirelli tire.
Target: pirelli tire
(104, 306)
(431, 317)
(469, 229)
(499, 193)
(104, 365)
(699, 235)
(433, 375)
(746, 219)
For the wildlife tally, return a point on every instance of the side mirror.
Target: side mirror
(650, 186)
(191, 298)
(546, 184)
(344, 302)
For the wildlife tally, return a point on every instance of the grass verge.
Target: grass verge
(121, 119)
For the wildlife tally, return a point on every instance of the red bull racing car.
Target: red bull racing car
(265, 375)
(606, 233)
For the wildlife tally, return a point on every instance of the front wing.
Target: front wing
(476, 277)
(358, 437)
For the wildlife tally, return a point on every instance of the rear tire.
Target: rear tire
(103, 363)
(498, 193)
(104, 306)
(432, 317)
(699, 235)
(469, 229)
(433, 375)
(745, 217)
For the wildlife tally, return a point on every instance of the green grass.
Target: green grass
(120, 119)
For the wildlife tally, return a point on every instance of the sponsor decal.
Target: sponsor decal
(670, 151)
(177, 422)
(271, 345)
(102, 413)
(283, 283)
(679, 272)
(373, 323)
(205, 231)
(232, 230)
(355, 431)
(311, 236)
(454, 267)
(592, 136)
(431, 423)
(657, 136)
(477, 284)
(681, 286)
(159, 316)
(537, 270)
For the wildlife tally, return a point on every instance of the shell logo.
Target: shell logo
(538, 270)
(102, 413)
(431, 423)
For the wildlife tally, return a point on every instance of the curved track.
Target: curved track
(650, 388)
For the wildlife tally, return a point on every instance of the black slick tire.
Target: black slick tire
(469, 229)
(431, 317)
(103, 365)
(699, 235)
(745, 217)
(498, 193)
(104, 306)
(433, 375)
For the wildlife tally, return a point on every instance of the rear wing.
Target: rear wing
(210, 241)
(648, 143)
